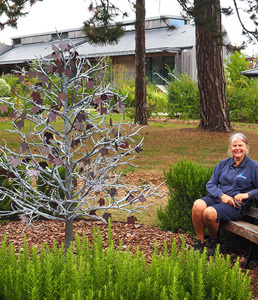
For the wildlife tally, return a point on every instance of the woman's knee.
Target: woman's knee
(199, 206)
(210, 214)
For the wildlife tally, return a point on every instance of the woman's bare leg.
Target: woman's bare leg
(210, 221)
(197, 217)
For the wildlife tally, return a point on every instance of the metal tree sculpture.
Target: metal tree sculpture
(67, 161)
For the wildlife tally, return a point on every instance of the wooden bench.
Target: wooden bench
(248, 231)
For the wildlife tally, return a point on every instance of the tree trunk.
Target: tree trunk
(68, 232)
(140, 68)
(211, 81)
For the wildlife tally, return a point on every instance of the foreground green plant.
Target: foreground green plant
(98, 273)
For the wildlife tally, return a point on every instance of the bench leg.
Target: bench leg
(252, 255)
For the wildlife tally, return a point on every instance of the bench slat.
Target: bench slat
(252, 212)
(244, 229)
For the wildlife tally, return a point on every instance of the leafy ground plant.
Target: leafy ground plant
(99, 273)
(88, 146)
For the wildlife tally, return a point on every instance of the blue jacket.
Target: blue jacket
(230, 180)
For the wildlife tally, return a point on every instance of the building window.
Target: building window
(63, 35)
(158, 68)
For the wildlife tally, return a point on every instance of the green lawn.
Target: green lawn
(164, 144)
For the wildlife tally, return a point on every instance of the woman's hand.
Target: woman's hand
(227, 199)
(240, 197)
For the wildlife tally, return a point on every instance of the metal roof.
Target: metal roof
(157, 40)
(26, 53)
(251, 72)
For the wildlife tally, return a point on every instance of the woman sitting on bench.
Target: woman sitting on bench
(233, 185)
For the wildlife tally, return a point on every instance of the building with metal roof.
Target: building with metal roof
(166, 49)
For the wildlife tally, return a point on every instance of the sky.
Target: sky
(52, 15)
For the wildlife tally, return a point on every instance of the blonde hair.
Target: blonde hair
(237, 136)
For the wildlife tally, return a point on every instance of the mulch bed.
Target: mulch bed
(133, 236)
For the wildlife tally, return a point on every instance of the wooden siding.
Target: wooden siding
(4, 48)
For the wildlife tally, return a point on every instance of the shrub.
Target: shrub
(11, 80)
(235, 64)
(5, 88)
(183, 98)
(243, 100)
(156, 100)
(98, 273)
(186, 182)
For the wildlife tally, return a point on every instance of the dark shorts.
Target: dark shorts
(225, 212)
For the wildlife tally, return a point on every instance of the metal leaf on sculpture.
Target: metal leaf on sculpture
(13, 114)
(79, 126)
(48, 135)
(34, 109)
(49, 68)
(89, 85)
(75, 183)
(130, 198)
(62, 96)
(97, 101)
(103, 110)
(43, 164)
(97, 188)
(15, 162)
(32, 74)
(36, 97)
(74, 143)
(131, 220)
(32, 173)
(26, 160)
(107, 216)
(24, 219)
(60, 67)
(4, 108)
(56, 55)
(81, 117)
(19, 124)
(10, 174)
(101, 202)
(58, 161)
(51, 157)
(138, 149)
(64, 46)
(89, 126)
(86, 161)
(52, 117)
(114, 132)
(124, 145)
(104, 97)
(23, 116)
(142, 199)
(43, 79)
(3, 172)
(24, 146)
(21, 78)
(68, 72)
(113, 192)
(103, 151)
(120, 106)
(46, 150)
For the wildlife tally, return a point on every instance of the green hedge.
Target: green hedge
(186, 182)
